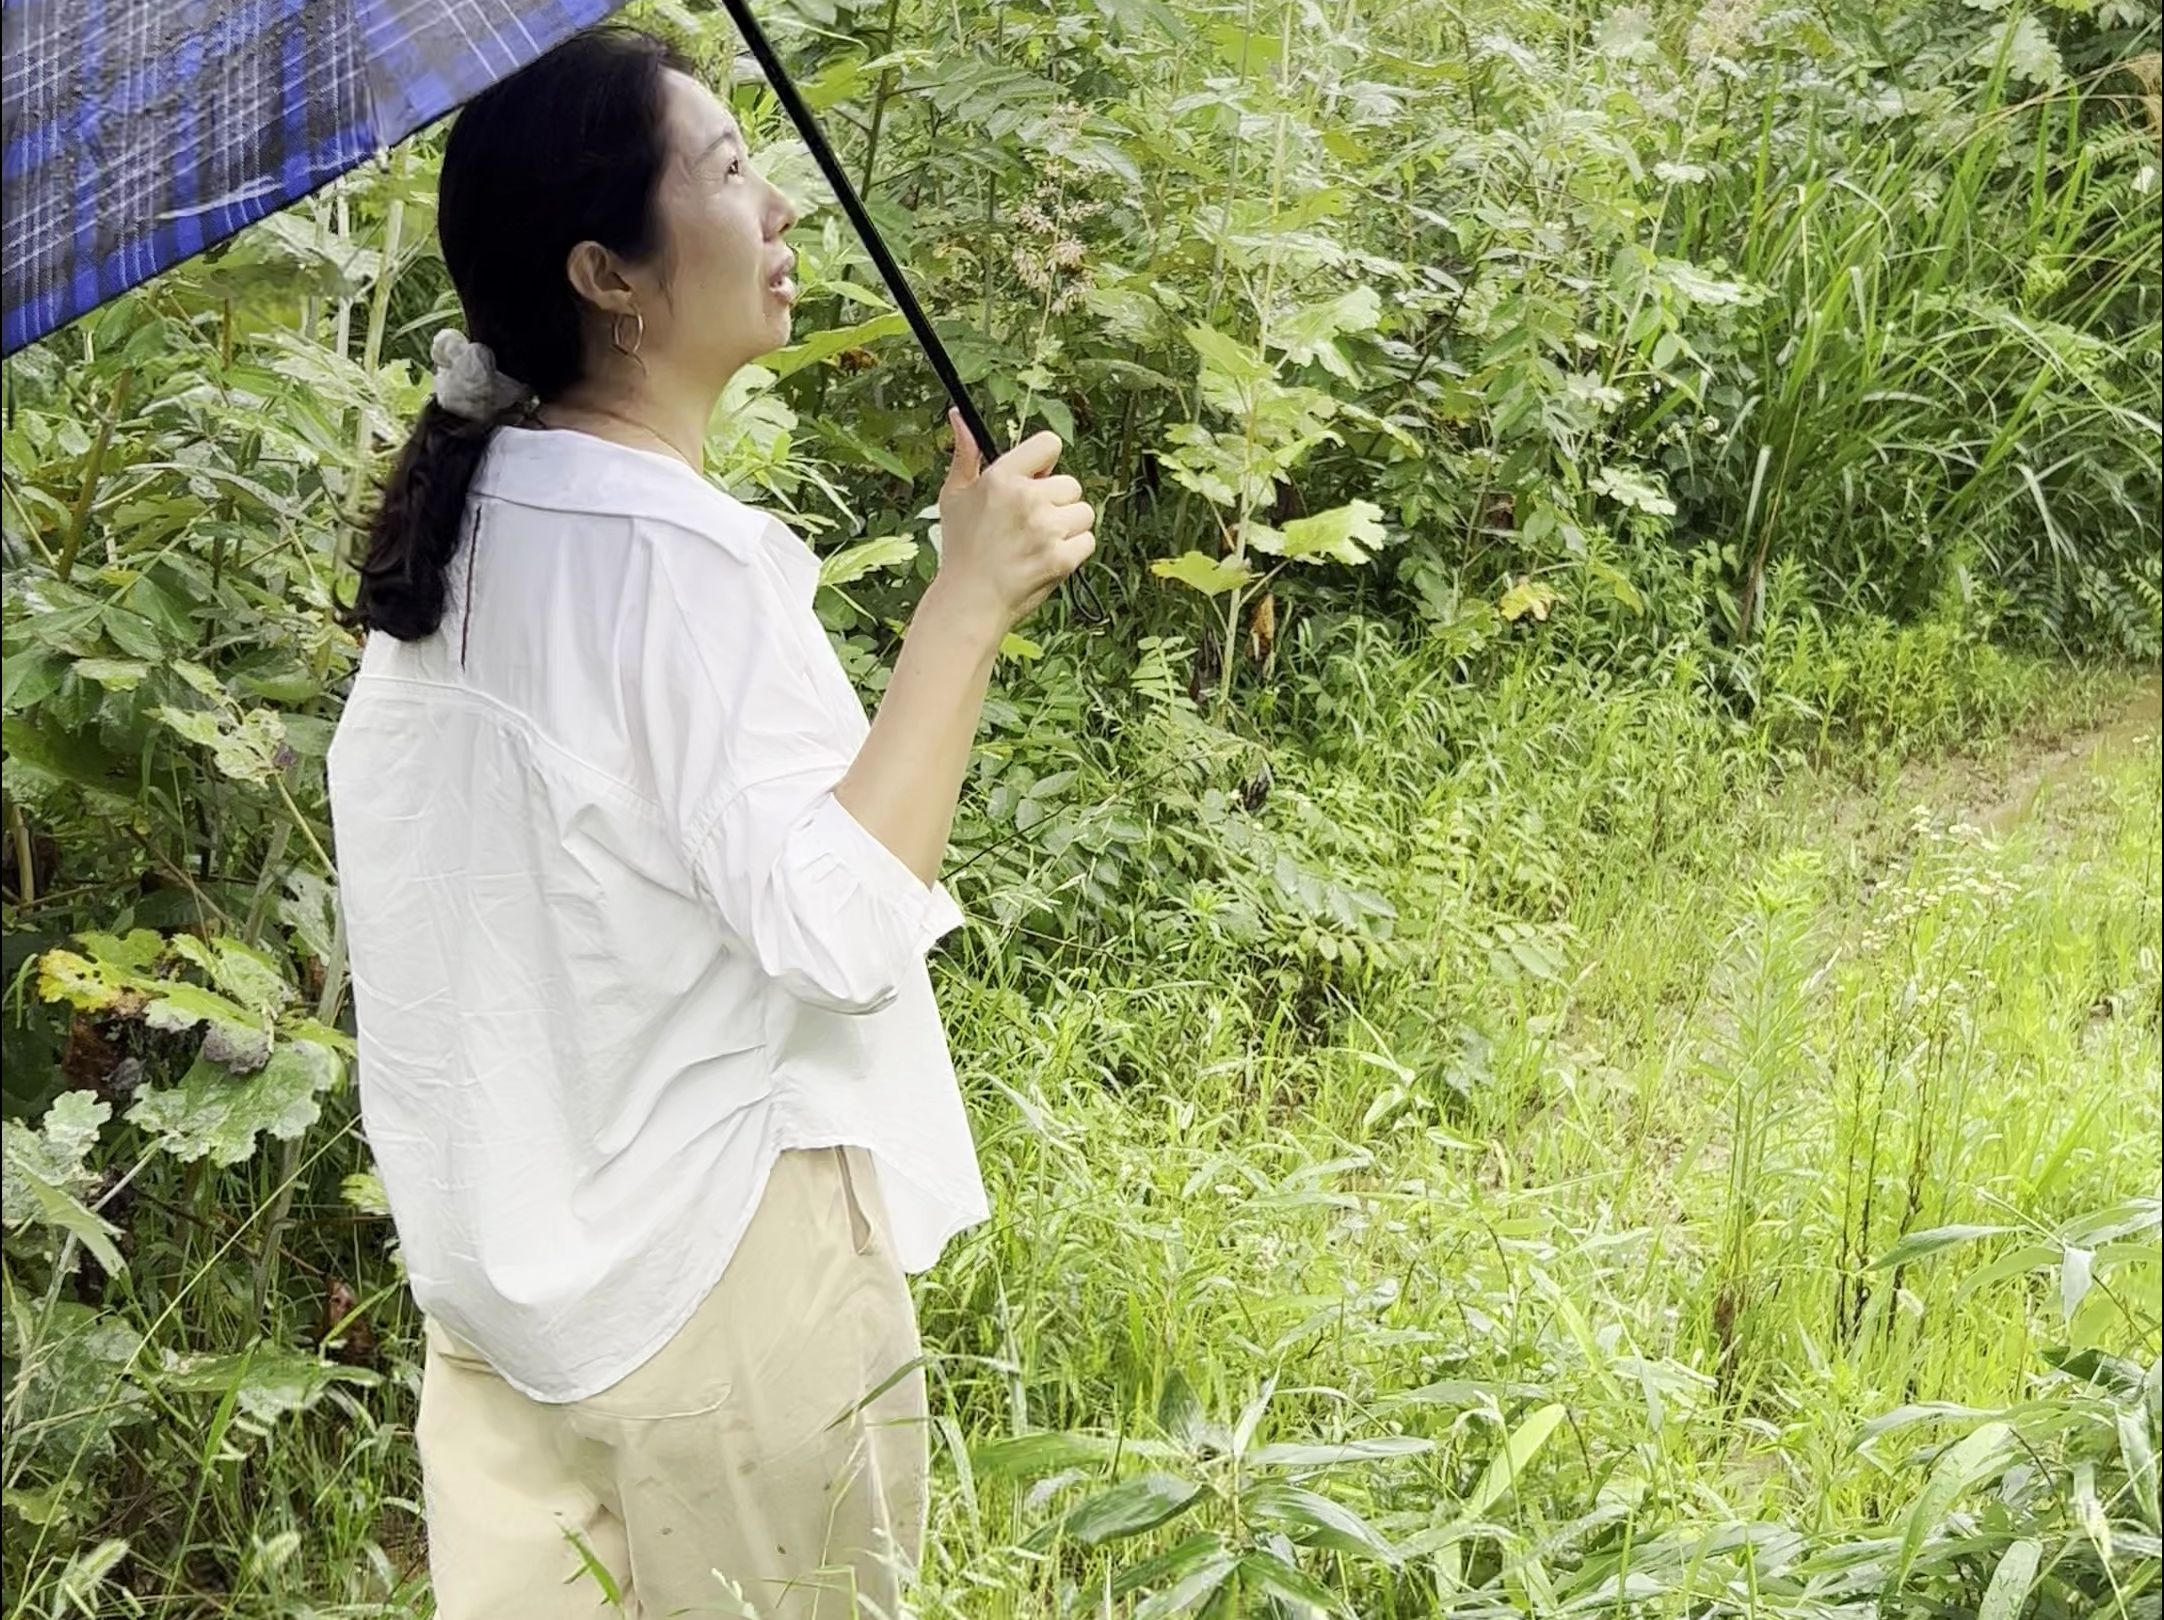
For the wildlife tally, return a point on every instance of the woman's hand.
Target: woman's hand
(1010, 532)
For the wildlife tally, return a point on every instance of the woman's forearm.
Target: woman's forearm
(907, 778)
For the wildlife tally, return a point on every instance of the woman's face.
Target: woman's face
(718, 295)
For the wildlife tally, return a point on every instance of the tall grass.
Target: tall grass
(1656, 1187)
(1498, 1101)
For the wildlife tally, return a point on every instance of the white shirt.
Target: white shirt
(615, 945)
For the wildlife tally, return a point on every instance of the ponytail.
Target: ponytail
(568, 149)
(415, 531)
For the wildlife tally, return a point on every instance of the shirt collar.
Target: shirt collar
(562, 469)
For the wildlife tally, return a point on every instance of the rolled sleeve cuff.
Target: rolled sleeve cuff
(831, 914)
(926, 912)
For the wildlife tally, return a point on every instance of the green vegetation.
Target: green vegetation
(1553, 1030)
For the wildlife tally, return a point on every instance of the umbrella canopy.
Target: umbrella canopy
(140, 132)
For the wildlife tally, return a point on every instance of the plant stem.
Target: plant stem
(26, 873)
(879, 105)
(93, 467)
(289, 1151)
(379, 309)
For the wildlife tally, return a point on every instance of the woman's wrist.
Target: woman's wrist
(955, 608)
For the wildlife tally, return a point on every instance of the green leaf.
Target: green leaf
(1700, 288)
(1233, 360)
(1266, 1572)
(2022, 1258)
(1527, 596)
(136, 952)
(114, 674)
(214, 1114)
(1315, 1520)
(69, 1398)
(249, 976)
(852, 563)
(1182, 1558)
(1189, 1589)
(2026, 48)
(1519, 1450)
(1346, 534)
(179, 1005)
(1130, 1508)
(64, 757)
(1469, 1392)
(1626, 32)
(310, 909)
(42, 1171)
(1212, 576)
(1496, 1482)
(199, 726)
(1919, 1244)
(1631, 487)
(1251, 51)
(201, 679)
(1310, 333)
(71, 1126)
(1902, 1417)
(590, 1562)
(2076, 1270)
(2008, 1592)
(856, 446)
(267, 1381)
(1976, 1457)
(55, 1208)
(2138, 1453)
(2093, 1231)
(831, 341)
(29, 675)
(50, 1506)
(1179, 1408)
(1026, 1456)
(246, 749)
(1301, 1455)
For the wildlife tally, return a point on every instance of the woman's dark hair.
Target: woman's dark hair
(567, 150)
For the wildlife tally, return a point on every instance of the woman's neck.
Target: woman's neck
(673, 422)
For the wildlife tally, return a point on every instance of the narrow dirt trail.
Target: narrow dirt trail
(2141, 720)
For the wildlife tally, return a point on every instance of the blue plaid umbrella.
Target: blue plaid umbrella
(140, 132)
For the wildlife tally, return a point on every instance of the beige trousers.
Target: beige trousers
(740, 1472)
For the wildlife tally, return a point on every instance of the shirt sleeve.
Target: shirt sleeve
(751, 744)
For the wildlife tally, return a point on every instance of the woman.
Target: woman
(638, 903)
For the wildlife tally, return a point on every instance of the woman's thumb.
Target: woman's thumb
(968, 459)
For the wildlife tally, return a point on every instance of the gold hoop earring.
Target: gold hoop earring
(629, 351)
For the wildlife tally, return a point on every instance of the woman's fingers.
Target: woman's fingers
(1077, 517)
(1072, 552)
(1034, 456)
(967, 463)
(1062, 561)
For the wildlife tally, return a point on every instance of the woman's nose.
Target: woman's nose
(786, 214)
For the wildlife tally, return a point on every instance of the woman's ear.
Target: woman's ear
(595, 277)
